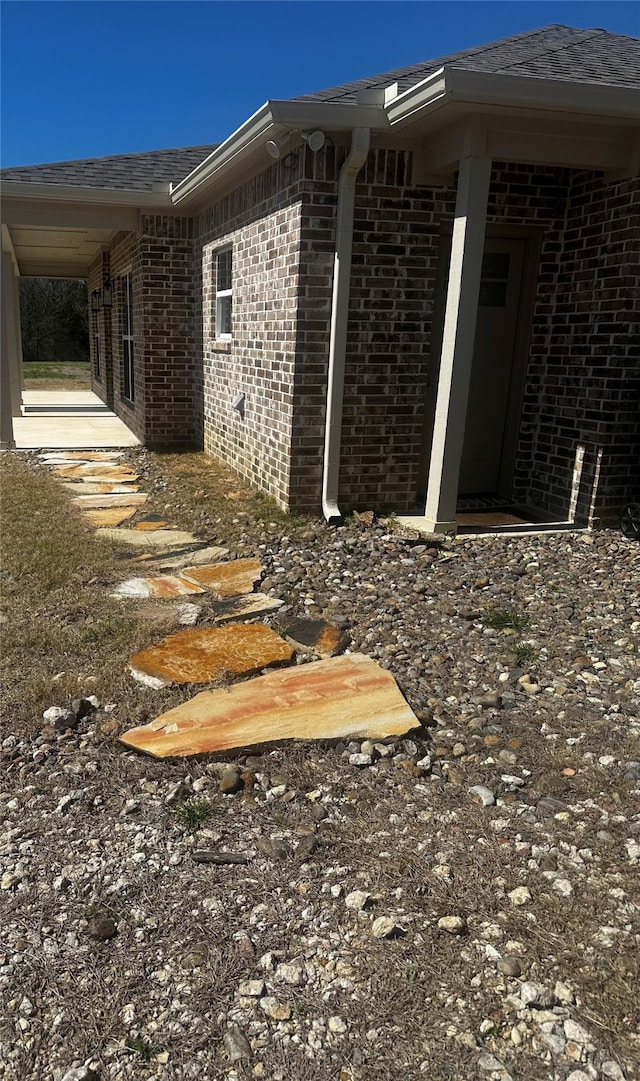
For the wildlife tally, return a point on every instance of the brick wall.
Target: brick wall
(584, 385)
(167, 292)
(261, 222)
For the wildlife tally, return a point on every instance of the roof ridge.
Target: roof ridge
(558, 48)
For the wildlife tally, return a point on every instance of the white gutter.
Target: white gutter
(339, 319)
(272, 120)
(513, 91)
(67, 193)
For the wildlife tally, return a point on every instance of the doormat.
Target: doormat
(468, 504)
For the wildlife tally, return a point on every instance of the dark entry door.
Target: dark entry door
(491, 396)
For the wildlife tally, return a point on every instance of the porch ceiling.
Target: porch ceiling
(54, 252)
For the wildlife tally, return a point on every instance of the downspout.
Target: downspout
(339, 320)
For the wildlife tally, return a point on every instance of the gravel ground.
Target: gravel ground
(460, 904)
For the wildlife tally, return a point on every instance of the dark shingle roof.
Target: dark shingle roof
(126, 172)
(553, 52)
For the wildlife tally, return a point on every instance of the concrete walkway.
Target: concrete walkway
(65, 420)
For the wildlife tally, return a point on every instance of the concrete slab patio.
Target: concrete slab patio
(65, 419)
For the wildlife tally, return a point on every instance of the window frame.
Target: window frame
(128, 354)
(221, 295)
(96, 346)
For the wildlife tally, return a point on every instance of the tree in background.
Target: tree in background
(54, 317)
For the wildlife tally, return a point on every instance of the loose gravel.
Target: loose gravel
(459, 904)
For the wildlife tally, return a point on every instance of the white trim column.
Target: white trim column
(457, 343)
(6, 343)
(15, 354)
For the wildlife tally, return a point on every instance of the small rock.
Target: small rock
(360, 760)
(357, 900)
(230, 782)
(306, 847)
(82, 707)
(236, 1044)
(89, 1072)
(251, 988)
(277, 1011)
(336, 1025)
(510, 966)
(290, 972)
(102, 928)
(385, 927)
(482, 795)
(273, 849)
(453, 925)
(520, 896)
(491, 700)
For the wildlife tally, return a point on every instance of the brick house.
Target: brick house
(395, 294)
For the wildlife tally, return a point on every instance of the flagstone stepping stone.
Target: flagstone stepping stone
(339, 698)
(201, 656)
(152, 522)
(159, 538)
(98, 472)
(109, 515)
(84, 487)
(189, 557)
(248, 604)
(226, 579)
(81, 455)
(110, 499)
(167, 585)
(316, 635)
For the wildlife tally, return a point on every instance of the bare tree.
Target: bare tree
(54, 318)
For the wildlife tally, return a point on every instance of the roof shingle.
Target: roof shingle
(553, 52)
(124, 172)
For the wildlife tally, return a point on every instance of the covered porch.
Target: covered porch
(57, 231)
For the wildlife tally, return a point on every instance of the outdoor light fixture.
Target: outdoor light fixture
(107, 295)
(315, 140)
(95, 301)
(275, 147)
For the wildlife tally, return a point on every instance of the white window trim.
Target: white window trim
(127, 309)
(222, 293)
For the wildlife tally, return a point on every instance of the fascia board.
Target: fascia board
(67, 193)
(515, 91)
(562, 95)
(270, 121)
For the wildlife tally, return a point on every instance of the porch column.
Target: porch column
(6, 353)
(17, 377)
(457, 343)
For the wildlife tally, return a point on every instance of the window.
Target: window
(96, 342)
(128, 389)
(224, 268)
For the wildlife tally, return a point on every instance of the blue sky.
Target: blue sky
(93, 77)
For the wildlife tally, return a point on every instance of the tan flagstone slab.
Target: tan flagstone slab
(200, 656)
(226, 579)
(248, 604)
(160, 538)
(84, 487)
(316, 635)
(149, 526)
(110, 499)
(109, 515)
(81, 456)
(98, 472)
(166, 585)
(178, 560)
(339, 698)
